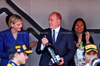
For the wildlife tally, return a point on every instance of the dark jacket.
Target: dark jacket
(64, 45)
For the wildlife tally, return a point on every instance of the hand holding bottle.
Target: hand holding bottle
(62, 61)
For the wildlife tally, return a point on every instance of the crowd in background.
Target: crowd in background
(71, 46)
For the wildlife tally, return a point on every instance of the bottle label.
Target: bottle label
(81, 46)
(58, 57)
(52, 60)
(80, 53)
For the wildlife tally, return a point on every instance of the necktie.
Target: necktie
(53, 37)
(53, 41)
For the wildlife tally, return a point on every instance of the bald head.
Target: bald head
(54, 20)
(57, 14)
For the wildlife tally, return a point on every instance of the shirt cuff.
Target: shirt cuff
(42, 47)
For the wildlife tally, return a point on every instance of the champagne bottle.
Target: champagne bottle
(80, 51)
(81, 46)
(54, 57)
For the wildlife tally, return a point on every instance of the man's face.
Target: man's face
(22, 57)
(54, 22)
(88, 56)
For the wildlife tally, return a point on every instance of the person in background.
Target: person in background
(61, 39)
(90, 52)
(80, 32)
(81, 36)
(32, 44)
(12, 35)
(7, 20)
(18, 54)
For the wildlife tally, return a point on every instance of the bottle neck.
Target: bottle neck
(81, 46)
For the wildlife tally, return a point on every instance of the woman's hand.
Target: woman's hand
(87, 37)
(33, 44)
(79, 40)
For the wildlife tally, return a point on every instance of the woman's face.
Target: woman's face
(17, 26)
(79, 27)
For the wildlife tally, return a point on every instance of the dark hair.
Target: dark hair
(11, 56)
(74, 32)
(7, 19)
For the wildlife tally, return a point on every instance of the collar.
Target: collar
(56, 30)
(12, 63)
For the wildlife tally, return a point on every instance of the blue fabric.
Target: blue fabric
(7, 39)
(64, 46)
(12, 63)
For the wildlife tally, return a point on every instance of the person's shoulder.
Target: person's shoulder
(24, 31)
(66, 31)
(9, 64)
(5, 31)
(45, 30)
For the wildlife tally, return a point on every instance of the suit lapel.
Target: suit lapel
(10, 36)
(50, 36)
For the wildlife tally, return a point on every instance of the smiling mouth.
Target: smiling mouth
(79, 29)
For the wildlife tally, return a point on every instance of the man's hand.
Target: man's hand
(62, 61)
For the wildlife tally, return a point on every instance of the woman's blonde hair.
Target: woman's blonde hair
(13, 19)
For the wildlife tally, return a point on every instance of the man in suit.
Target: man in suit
(63, 42)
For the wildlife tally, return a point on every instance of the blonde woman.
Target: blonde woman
(10, 36)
